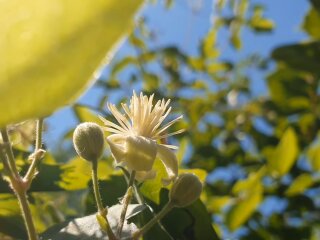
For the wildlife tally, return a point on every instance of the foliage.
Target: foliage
(269, 188)
(49, 64)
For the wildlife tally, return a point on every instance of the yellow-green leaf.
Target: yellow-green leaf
(84, 114)
(246, 185)
(262, 24)
(216, 204)
(77, 173)
(50, 49)
(244, 207)
(285, 154)
(314, 157)
(300, 184)
(151, 188)
(311, 23)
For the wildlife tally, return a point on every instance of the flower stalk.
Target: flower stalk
(37, 155)
(167, 208)
(102, 212)
(126, 201)
(18, 184)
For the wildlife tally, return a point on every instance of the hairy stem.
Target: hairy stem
(126, 202)
(9, 152)
(27, 216)
(95, 185)
(101, 210)
(17, 183)
(167, 208)
(37, 155)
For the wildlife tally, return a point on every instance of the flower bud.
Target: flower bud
(185, 190)
(88, 141)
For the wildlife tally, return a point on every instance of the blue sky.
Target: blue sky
(184, 26)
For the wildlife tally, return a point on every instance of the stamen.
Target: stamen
(168, 125)
(169, 134)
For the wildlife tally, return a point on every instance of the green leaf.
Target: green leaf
(300, 184)
(314, 157)
(123, 63)
(289, 90)
(301, 57)
(244, 187)
(11, 222)
(151, 188)
(156, 232)
(51, 49)
(244, 207)
(84, 114)
(262, 25)
(215, 204)
(192, 222)
(311, 23)
(285, 154)
(208, 46)
(87, 228)
(258, 22)
(236, 40)
(217, 67)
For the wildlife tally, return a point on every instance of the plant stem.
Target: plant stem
(36, 155)
(101, 210)
(167, 208)
(18, 185)
(39, 133)
(95, 185)
(23, 201)
(126, 202)
(9, 153)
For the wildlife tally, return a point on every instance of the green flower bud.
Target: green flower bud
(185, 190)
(88, 141)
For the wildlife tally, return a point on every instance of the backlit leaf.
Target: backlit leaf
(300, 184)
(285, 154)
(311, 23)
(314, 157)
(50, 50)
(244, 207)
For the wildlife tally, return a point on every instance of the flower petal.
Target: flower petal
(145, 175)
(116, 143)
(140, 153)
(170, 162)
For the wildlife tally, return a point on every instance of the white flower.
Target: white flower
(135, 139)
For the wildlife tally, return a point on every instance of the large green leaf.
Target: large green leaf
(50, 50)
(191, 222)
(87, 227)
(302, 56)
(289, 90)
